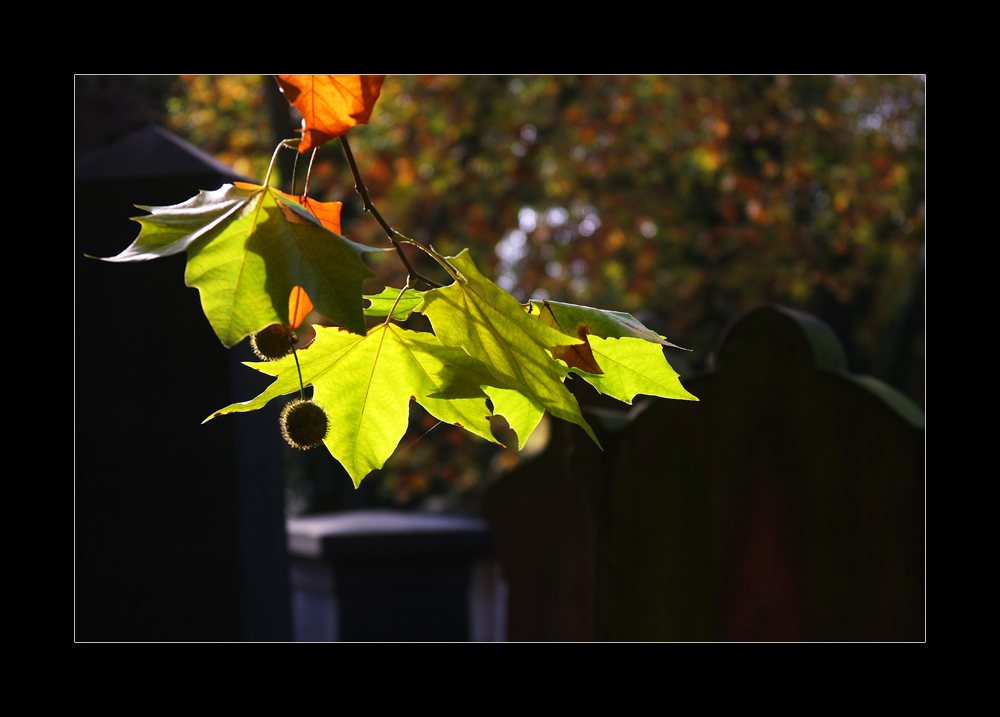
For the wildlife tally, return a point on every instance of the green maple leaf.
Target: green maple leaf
(365, 384)
(491, 325)
(631, 367)
(381, 304)
(620, 357)
(247, 247)
(522, 414)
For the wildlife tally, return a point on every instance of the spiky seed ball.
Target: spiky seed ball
(273, 343)
(304, 424)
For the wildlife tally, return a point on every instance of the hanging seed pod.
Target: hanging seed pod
(304, 424)
(273, 343)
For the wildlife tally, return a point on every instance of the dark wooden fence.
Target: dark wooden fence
(788, 504)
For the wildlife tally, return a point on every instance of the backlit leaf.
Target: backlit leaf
(573, 319)
(299, 306)
(631, 367)
(328, 213)
(381, 304)
(330, 104)
(522, 414)
(493, 327)
(365, 384)
(248, 247)
(629, 356)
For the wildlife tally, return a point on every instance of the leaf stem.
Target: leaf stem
(394, 236)
(305, 189)
(396, 302)
(267, 179)
(290, 144)
(302, 389)
(295, 166)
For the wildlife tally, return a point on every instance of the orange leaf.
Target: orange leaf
(330, 104)
(299, 306)
(328, 213)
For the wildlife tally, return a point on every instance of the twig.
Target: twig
(394, 236)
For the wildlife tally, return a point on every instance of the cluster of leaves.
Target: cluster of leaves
(261, 257)
(715, 193)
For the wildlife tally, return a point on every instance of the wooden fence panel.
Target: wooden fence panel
(787, 504)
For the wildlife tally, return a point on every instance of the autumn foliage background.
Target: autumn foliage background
(685, 201)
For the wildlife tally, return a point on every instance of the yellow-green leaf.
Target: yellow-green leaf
(365, 384)
(248, 247)
(491, 325)
(629, 357)
(381, 304)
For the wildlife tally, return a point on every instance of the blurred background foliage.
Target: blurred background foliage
(684, 200)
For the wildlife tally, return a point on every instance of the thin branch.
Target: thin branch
(429, 250)
(394, 236)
